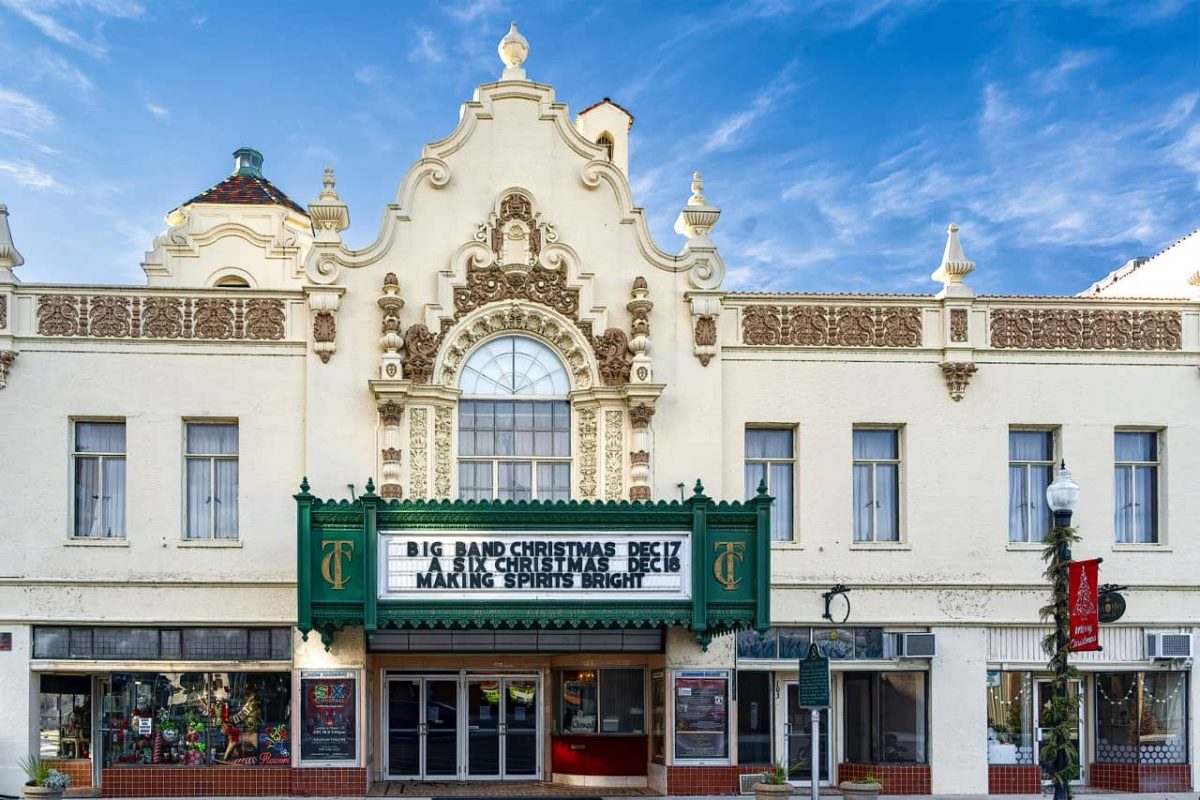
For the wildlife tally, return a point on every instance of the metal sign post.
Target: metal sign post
(814, 695)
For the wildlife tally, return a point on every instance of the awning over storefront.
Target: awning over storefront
(499, 565)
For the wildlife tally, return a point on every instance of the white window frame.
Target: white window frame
(534, 461)
(794, 431)
(101, 457)
(1055, 437)
(1156, 466)
(900, 506)
(212, 458)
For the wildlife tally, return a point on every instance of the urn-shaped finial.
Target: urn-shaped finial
(954, 266)
(513, 49)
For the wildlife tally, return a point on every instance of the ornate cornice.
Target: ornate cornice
(161, 317)
(1085, 329)
(832, 326)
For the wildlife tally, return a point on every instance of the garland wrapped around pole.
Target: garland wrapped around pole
(1060, 718)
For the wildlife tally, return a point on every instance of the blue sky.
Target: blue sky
(839, 138)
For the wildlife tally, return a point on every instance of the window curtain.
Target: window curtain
(1018, 504)
(876, 486)
(1145, 504)
(226, 498)
(1123, 491)
(1028, 513)
(100, 504)
(212, 483)
(772, 444)
(864, 502)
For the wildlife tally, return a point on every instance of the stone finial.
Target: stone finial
(954, 266)
(9, 257)
(329, 214)
(513, 49)
(697, 217)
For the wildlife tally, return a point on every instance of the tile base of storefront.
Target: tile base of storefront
(1014, 779)
(707, 780)
(79, 770)
(234, 782)
(896, 778)
(1142, 777)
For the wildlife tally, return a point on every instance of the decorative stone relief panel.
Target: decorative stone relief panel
(587, 453)
(958, 375)
(324, 332)
(3, 311)
(537, 284)
(158, 317)
(443, 455)
(832, 326)
(958, 324)
(1085, 329)
(614, 450)
(418, 448)
(705, 338)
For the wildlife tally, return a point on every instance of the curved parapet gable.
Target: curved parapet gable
(436, 168)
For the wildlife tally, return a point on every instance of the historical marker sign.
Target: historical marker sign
(814, 680)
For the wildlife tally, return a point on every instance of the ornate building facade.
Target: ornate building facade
(515, 493)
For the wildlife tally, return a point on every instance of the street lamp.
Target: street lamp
(1062, 496)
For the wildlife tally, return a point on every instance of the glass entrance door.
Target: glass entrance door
(422, 727)
(1042, 697)
(483, 728)
(520, 728)
(798, 739)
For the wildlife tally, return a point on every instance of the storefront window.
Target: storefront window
(701, 718)
(603, 701)
(197, 718)
(789, 643)
(754, 698)
(1141, 717)
(658, 719)
(1010, 718)
(885, 717)
(65, 729)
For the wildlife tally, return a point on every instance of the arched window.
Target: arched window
(605, 140)
(232, 282)
(514, 423)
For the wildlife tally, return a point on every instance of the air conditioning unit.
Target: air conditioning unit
(1167, 646)
(915, 645)
(746, 782)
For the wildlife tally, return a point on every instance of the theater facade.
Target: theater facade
(516, 494)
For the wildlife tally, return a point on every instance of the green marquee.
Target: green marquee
(726, 551)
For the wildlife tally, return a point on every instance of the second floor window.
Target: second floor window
(770, 457)
(98, 456)
(1030, 471)
(514, 423)
(876, 485)
(1136, 489)
(212, 480)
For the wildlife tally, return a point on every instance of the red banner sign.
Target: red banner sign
(1084, 605)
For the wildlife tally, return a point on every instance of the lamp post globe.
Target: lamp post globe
(1062, 496)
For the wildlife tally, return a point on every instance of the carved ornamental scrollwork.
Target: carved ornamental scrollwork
(705, 338)
(418, 448)
(832, 326)
(587, 434)
(958, 325)
(443, 456)
(537, 284)
(159, 317)
(1085, 329)
(612, 351)
(614, 447)
(3, 311)
(957, 375)
(7, 358)
(324, 331)
(516, 318)
(420, 348)
(514, 233)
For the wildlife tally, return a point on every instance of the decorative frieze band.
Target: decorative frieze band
(832, 326)
(1085, 329)
(123, 316)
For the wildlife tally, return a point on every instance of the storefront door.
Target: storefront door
(503, 740)
(422, 726)
(798, 739)
(1042, 687)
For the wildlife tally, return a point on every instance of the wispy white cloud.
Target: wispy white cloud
(49, 65)
(26, 174)
(159, 112)
(1058, 76)
(41, 14)
(370, 75)
(476, 9)
(731, 130)
(22, 111)
(429, 47)
(198, 20)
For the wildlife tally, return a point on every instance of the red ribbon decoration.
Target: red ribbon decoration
(1084, 605)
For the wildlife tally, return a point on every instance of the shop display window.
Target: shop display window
(886, 717)
(1010, 718)
(788, 643)
(65, 721)
(1141, 717)
(603, 701)
(197, 719)
(701, 716)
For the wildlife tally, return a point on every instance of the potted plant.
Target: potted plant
(774, 784)
(43, 781)
(865, 788)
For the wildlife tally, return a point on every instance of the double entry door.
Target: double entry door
(797, 736)
(463, 727)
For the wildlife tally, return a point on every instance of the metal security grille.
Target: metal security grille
(163, 644)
